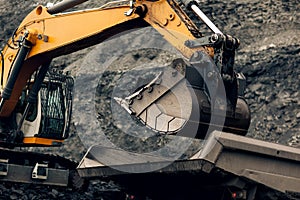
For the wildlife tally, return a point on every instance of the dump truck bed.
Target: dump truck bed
(225, 159)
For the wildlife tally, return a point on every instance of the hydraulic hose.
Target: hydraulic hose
(2, 68)
(16, 67)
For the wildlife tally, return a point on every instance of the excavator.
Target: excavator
(198, 96)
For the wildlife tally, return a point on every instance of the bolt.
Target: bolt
(46, 38)
(210, 74)
(40, 36)
(171, 16)
(10, 58)
(139, 96)
(188, 43)
(214, 38)
(197, 55)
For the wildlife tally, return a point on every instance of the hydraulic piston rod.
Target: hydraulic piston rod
(205, 19)
(194, 6)
(64, 5)
(16, 67)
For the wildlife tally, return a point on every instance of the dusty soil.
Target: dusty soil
(268, 56)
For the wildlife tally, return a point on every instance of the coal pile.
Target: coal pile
(269, 57)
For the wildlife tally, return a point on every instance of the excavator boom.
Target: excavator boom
(79, 30)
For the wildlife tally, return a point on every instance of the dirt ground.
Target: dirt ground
(268, 56)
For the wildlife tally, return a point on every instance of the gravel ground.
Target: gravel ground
(269, 57)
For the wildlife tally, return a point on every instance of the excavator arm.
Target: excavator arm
(46, 33)
(51, 35)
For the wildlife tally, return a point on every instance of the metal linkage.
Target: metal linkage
(131, 10)
(40, 171)
(224, 52)
(211, 40)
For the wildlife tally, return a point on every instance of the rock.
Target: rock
(20, 192)
(13, 197)
(287, 119)
(55, 192)
(269, 118)
(265, 47)
(255, 87)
